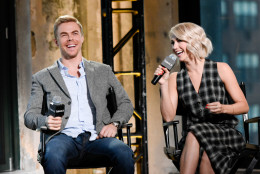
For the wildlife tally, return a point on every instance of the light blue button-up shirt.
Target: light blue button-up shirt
(82, 109)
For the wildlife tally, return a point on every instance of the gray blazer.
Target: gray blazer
(99, 78)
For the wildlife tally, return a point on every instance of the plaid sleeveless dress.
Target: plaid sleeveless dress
(216, 133)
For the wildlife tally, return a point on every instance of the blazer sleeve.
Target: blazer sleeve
(124, 106)
(33, 117)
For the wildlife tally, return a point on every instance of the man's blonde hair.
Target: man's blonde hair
(198, 44)
(65, 19)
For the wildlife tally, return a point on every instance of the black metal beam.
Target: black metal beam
(107, 32)
(139, 73)
(189, 11)
(140, 89)
(124, 40)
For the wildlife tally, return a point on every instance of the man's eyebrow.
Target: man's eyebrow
(63, 33)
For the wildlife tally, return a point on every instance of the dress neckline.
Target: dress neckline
(202, 75)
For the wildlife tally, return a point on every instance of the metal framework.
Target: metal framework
(136, 33)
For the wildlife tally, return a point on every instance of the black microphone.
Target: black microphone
(168, 63)
(56, 107)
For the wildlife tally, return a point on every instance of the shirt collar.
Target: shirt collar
(65, 71)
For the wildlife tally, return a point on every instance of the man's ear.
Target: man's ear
(82, 37)
(56, 42)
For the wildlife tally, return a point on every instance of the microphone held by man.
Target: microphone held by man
(168, 63)
(56, 107)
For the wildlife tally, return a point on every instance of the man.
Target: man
(86, 127)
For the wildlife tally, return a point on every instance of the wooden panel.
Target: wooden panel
(86, 171)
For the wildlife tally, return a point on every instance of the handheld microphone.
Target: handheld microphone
(56, 107)
(168, 63)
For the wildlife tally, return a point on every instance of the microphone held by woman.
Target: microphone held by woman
(168, 63)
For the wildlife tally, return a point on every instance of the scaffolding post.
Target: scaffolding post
(136, 33)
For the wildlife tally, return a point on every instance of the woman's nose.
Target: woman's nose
(174, 45)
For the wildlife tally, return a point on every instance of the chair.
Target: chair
(91, 161)
(247, 159)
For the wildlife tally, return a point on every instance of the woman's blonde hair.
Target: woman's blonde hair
(198, 44)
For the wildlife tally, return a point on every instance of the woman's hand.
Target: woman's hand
(162, 71)
(215, 108)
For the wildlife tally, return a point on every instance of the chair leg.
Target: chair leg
(251, 166)
(108, 169)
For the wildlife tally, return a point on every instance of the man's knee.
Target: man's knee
(123, 151)
(126, 153)
(125, 160)
(123, 154)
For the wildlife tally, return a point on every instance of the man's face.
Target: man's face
(69, 40)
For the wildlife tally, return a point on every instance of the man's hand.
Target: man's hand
(108, 131)
(54, 123)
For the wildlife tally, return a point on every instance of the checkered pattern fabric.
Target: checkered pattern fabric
(216, 133)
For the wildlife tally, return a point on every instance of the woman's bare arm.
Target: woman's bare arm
(240, 105)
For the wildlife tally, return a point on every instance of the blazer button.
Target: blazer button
(69, 102)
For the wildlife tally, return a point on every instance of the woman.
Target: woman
(202, 86)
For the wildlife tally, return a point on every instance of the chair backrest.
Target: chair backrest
(245, 115)
(243, 88)
(111, 101)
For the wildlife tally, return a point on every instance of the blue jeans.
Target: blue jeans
(62, 148)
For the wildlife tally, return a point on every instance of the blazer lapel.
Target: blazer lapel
(55, 73)
(90, 78)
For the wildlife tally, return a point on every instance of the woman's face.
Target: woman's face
(179, 48)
